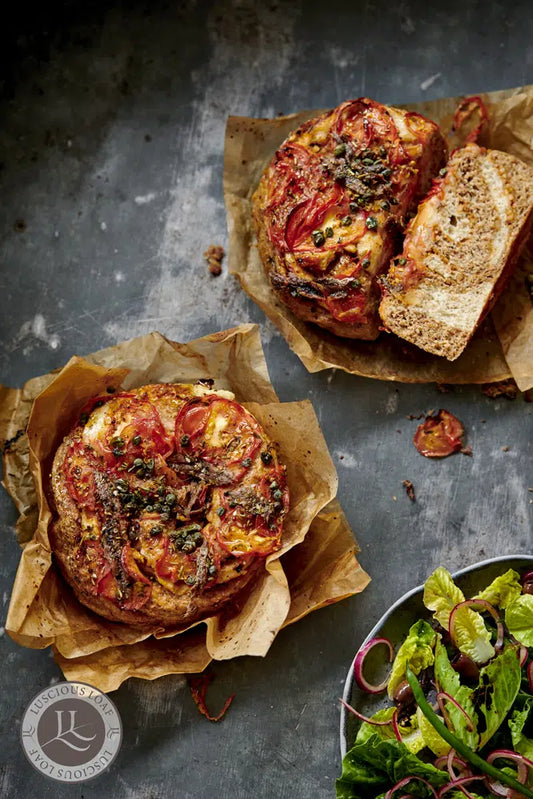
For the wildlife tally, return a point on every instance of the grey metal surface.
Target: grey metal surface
(112, 145)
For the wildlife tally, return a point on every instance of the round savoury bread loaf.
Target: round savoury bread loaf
(167, 500)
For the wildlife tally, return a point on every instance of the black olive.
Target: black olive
(404, 694)
(466, 667)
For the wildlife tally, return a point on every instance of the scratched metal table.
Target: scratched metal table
(112, 140)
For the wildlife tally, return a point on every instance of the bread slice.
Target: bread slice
(459, 250)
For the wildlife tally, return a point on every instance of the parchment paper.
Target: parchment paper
(316, 565)
(500, 349)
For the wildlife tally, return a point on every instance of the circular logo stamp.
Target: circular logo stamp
(71, 732)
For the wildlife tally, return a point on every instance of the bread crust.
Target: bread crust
(172, 541)
(334, 283)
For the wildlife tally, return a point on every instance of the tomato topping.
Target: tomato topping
(220, 432)
(439, 435)
(349, 308)
(143, 437)
(79, 466)
(369, 124)
(107, 586)
(166, 570)
(253, 525)
(129, 559)
(309, 215)
(465, 110)
(138, 596)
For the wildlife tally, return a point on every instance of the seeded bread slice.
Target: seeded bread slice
(459, 250)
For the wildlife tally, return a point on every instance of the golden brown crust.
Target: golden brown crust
(330, 208)
(173, 539)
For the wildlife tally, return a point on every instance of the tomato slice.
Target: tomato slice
(167, 571)
(129, 558)
(310, 215)
(220, 432)
(138, 596)
(348, 309)
(240, 531)
(107, 586)
(142, 437)
(439, 435)
(370, 125)
(78, 467)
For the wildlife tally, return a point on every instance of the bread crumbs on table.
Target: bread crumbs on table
(505, 449)
(503, 388)
(214, 256)
(409, 489)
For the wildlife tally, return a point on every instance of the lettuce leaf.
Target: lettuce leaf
(499, 683)
(417, 649)
(517, 722)
(448, 680)
(471, 635)
(503, 590)
(410, 733)
(519, 619)
(430, 737)
(441, 595)
(373, 767)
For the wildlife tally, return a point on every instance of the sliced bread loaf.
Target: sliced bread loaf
(459, 250)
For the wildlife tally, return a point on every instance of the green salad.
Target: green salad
(460, 716)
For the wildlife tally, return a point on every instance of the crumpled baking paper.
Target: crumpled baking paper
(317, 564)
(501, 348)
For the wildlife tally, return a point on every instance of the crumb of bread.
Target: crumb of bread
(214, 256)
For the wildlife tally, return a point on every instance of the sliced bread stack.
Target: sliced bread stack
(459, 250)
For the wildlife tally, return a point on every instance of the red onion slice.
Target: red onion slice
(523, 765)
(360, 679)
(458, 784)
(478, 604)
(407, 780)
(367, 719)
(529, 672)
(522, 655)
(441, 696)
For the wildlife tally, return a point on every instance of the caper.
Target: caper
(277, 494)
(318, 238)
(266, 457)
(347, 220)
(156, 529)
(329, 232)
(365, 263)
(371, 223)
(184, 441)
(221, 511)
(149, 464)
(170, 499)
(190, 580)
(339, 150)
(212, 569)
(136, 440)
(247, 462)
(137, 462)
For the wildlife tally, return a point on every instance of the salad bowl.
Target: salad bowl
(395, 624)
